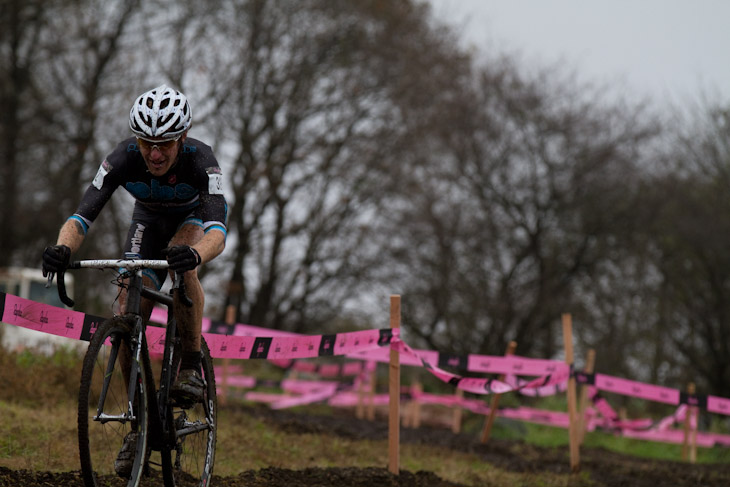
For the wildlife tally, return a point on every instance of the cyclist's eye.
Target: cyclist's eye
(161, 145)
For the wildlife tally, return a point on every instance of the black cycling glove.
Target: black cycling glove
(55, 259)
(182, 258)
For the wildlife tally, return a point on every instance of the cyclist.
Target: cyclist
(179, 214)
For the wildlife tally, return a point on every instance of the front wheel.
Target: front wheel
(104, 416)
(190, 461)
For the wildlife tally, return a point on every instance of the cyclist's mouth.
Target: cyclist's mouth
(156, 166)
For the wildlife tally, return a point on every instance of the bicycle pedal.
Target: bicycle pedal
(183, 402)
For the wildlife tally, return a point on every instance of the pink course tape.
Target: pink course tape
(478, 385)
(255, 342)
(73, 324)
(42, 317)
(637, 389)
(513, 364)
(718, 405)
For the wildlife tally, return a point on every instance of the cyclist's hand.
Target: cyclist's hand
(182, 258)
(55, 259)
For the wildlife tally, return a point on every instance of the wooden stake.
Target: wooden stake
(360, 408)
(487, 430)
(572, 407)
(686, 444)
(590, 365)
(457, 413)
(394, 389)
(623, 414)
(407, 415)
(418, 388)
(370, 413)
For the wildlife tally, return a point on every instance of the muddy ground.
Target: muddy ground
(600, 468)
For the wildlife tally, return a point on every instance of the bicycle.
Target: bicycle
(114, 401)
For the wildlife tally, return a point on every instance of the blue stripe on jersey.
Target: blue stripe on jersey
(217, 226)
(82, 221)
(192, 221)
(153, 276)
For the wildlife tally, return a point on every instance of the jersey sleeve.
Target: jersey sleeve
(213, 206)
(213, 209)
(106, 181)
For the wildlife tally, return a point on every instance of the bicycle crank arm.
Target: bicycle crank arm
(104, 418)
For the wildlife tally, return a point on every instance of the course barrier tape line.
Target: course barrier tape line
(649, 429)
(481, 364)
(513, 365)
(433, 360)
(347, 369)
(77, 325)
(298, 393)
(295, 347)
(74, 324)
(478, 385)
(48, 319)
(488, 364)
(650, 392)
(368, 344)
(608, 419)
(544, 391)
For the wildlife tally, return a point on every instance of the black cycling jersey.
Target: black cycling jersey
(193, 185)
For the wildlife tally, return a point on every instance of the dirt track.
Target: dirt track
(598, 467)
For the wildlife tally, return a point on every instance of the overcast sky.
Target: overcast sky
(671, 49)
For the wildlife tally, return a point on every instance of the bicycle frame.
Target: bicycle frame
(135, 292)
(167, 424)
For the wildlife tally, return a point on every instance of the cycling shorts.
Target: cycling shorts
(150, 233)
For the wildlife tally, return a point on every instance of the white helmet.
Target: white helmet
(160, 112)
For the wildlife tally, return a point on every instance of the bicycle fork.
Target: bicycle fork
(167, 376)
(134, 379)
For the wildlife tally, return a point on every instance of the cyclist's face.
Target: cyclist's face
(159, 157)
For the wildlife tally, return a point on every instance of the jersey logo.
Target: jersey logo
(215, 180)
(104, 169)
(156, 191)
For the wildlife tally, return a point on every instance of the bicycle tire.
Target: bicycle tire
(100, 442)
(190, 461)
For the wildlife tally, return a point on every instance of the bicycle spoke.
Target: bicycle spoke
(108, 374)
(192, 458)
(104, 416)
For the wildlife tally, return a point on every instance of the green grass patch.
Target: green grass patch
(276, 448)
(38, 438)
(38, 420)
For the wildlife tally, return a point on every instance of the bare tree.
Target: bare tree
(74, 97)
(513, 209)
(690, 238)
(21, 23)
(308, 101)
(367, 154)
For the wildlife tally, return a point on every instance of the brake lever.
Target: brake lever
(179, 286)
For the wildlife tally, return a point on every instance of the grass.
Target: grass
(50, 445)
(37, 438)
(38, 420)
